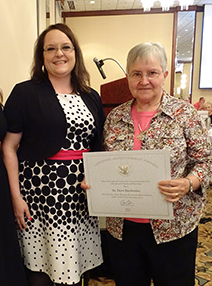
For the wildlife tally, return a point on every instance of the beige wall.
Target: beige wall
(18, 22)
(196, 92)
(101, 37)
(114, 36)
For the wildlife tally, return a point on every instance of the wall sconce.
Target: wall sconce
(183, 81)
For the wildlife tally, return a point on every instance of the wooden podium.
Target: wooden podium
(114, 93)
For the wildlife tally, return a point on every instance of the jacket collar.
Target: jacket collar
(169, 106)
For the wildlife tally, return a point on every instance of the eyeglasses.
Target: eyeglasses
(138, 76)
(53, 50)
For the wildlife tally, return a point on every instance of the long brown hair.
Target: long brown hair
(1, 97)
(80, 78)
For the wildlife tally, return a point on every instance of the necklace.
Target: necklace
(140, 135)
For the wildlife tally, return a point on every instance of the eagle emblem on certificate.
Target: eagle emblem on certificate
(124, 169)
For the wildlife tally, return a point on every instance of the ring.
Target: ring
(176, 194)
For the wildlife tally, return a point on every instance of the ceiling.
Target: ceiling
(186, 19)
(87, 5)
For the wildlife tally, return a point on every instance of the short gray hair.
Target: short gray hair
(207, 103)
(144, 51)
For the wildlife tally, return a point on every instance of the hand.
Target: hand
(21, 208)
(174, 190)
(84, 186)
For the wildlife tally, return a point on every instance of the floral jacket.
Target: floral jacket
(177, 127)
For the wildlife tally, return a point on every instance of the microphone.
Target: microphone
(99, 65)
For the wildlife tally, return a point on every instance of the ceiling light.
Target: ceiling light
(147, 4)
(165, 4)
(92, 2)
(185, 3)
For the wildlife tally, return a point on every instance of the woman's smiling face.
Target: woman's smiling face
(146, 90)
(60, 63)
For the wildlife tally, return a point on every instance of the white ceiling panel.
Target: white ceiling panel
(186, 20)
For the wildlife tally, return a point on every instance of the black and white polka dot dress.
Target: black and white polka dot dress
(62, 240)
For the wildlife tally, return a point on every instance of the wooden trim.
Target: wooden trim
(112, 12)
(196, 8)
(128, 12)
(192, 62)
(184, 62)
(64, 20)
(174, 40)
(71, 14)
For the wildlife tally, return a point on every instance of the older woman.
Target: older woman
(208, 107)
(162, 250)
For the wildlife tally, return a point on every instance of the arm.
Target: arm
(9, 146)
(198, 160)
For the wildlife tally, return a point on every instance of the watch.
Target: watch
(191, 189)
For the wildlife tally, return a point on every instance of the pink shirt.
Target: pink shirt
(197, 105)
(144, 119)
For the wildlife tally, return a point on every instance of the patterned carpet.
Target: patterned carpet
(204, 251)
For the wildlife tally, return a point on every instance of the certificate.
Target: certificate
(125, 183)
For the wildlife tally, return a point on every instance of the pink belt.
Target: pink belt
(68, 155)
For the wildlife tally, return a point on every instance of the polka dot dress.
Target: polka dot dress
(62, 240)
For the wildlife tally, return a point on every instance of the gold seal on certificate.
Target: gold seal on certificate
(125, 183)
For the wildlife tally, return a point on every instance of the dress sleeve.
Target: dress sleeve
(14, 111)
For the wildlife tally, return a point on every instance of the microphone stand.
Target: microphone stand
(112, 59)
(101, 63)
